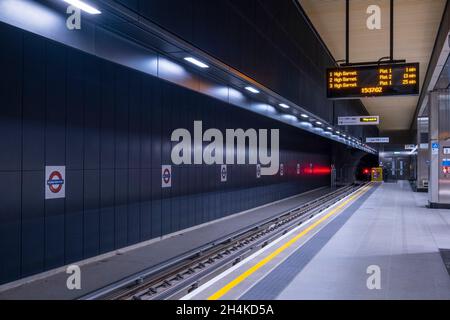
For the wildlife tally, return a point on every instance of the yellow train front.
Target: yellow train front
(374, 174)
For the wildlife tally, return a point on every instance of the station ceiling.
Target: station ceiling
(416, 23)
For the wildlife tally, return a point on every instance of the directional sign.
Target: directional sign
(166, 176)
(358, 120)
(377, 140)
(435, 148)
(223, 173)
(55, 182)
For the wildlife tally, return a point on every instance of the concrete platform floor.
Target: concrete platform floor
(393, 230)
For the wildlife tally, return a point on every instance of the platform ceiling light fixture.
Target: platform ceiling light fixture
(338, 132)
(251, 89)
(318, 123)
(305, 124)
(197, 62)
(329, 128)
(283, 105)
(304, 116)
(290, 117)
(83, 6)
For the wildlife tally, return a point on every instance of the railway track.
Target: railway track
(180, 276)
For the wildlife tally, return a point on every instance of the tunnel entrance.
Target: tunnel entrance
(364, 167)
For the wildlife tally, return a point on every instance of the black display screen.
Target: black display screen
(373, 81)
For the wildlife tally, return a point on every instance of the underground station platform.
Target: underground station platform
(372, 228)
(224, 158)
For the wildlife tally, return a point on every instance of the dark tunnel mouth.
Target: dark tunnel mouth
(364, 167)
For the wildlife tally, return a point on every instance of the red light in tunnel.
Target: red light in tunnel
(366, 171)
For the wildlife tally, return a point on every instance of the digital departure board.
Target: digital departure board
(358, 120)
(373, 81)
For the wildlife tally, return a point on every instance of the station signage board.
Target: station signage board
(373, 81)
(377, 140)
(410, 146)
(55, 182)
(358, 120)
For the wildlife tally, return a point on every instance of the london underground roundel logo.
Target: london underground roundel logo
(166, 175)
(55, 182)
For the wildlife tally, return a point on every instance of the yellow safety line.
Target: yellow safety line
(221, 292)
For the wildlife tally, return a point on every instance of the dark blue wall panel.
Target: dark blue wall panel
(33, 223)
(106, 212)
(121, 207)
(11, 63)
(75, 111)
(91, 216)
(74, 215)
(34, 102)
(134, 220)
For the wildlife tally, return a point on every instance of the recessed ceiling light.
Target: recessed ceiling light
(290, 117)
(196, 62)
(319, 123)
(251, 89)
(338, 132)
(283, 105)
(83, 6)
(304, 115)
(329, 128)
